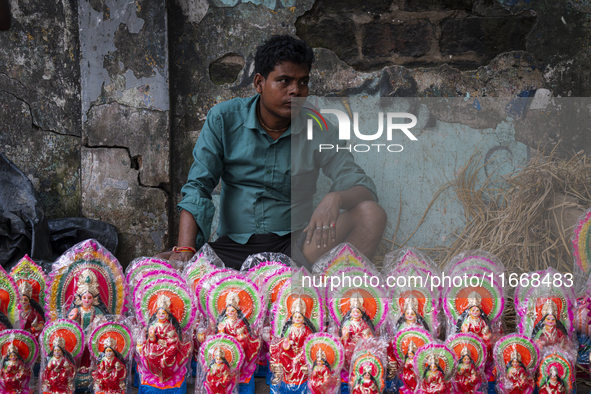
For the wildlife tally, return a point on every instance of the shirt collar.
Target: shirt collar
(252, 120)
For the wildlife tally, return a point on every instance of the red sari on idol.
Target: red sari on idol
(289, 353)
(109, 377)
(218, 380)
(14, 377)
(58, 377)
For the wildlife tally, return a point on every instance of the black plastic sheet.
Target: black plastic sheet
(25, 230)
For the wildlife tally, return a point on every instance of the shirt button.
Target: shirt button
(258, 225)
(268, 171)
(267, 188)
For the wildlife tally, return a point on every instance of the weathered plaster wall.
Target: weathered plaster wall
(40, 124)
(125, 114)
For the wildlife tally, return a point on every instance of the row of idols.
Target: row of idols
(88, 320)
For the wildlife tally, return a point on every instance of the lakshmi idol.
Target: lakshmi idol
(518, 380)
(87, 303)
(366, 383)
(467, 379)
(32, 315)
(321, 377)
(14, 375)
(58, 377)
(553, 384)
(355, 325)
(549, 331)
(411, 316)
(163, 353)
(233, 322)
(474, 320)
(433, 379)
(409, 378)
(218, 380)
(287, 355)
(109, 376)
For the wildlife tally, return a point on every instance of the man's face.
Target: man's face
(288, 80)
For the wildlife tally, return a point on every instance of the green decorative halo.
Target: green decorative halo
(251, 302)
(378, 372)
(444, 357)
(116, 331)
(24, 342)
(67, 329)
(181, 301)
(564, 367)
(419, 336)
(232, 349)
(281, 309)
(327, 343)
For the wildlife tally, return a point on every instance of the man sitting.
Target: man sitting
(247, 142)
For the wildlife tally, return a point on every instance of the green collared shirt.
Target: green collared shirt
(256, 175)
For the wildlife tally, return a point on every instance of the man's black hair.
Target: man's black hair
(280, 49)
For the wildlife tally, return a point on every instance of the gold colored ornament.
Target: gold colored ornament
(465, 352)
(356, 301)
(110, 342)
(163, 302)
(11, 349)
(59, 341)
(474, 299)
(25, 289)
(515, 355)
(233, 300)
(87, 283)
(431, 359)
(298, 306)
(411, 303)
(320, 355)
(550, 308)
(219, 352)
(412, 348)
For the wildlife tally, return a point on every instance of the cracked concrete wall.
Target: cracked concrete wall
(125, 114)
(40, 124)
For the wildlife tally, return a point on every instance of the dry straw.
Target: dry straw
(521, 218)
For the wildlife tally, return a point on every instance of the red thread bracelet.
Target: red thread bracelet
(181, 249)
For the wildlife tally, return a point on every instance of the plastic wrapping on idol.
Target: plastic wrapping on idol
(357, 307)
(62, 344)
(435, 366)
(219, 362)
(86, 283)
(516, 360)
(582, 253)
(476, 304)
(19, 350)
(145, 264)
(545, 311)
(257, 259)
(556, 373)
(236, 307)
(325, 358)
(111, 347)
(471, 357)
(401, 352)
(340, 257)
(414, 302)
(165, 310)
(367, 373)
(409, 261)
(31, 282)
(202, 263)
(297, 314)
(10, 302)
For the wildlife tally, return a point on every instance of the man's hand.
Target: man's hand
(183, 256)
(323, 222)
